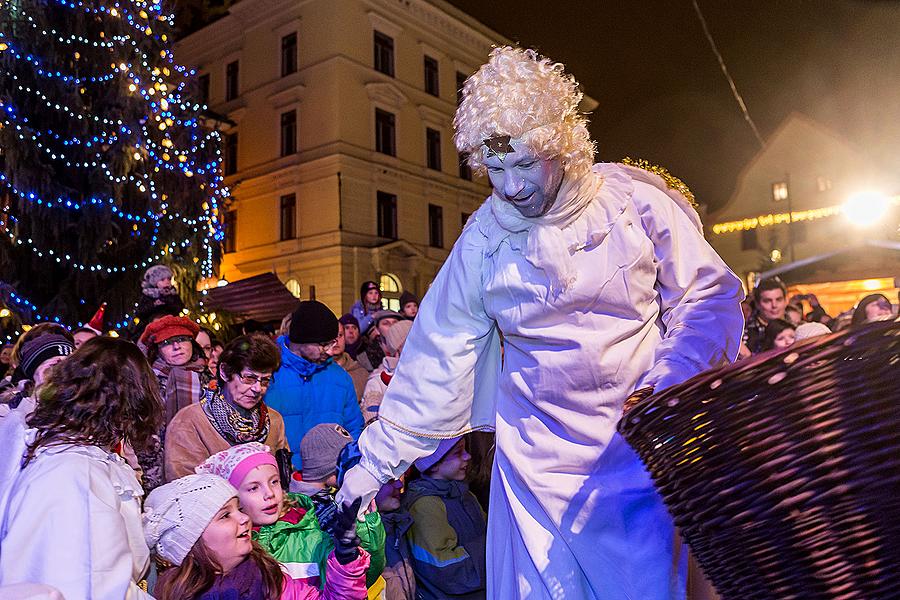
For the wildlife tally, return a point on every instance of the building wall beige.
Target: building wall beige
(336, 172)
(819, 170)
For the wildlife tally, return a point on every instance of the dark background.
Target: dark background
(663, 97)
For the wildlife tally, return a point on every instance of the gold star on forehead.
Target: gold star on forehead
(499, 145)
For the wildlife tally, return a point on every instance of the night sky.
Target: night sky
(663, 97)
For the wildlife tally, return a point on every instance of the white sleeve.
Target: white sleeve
(447, 376)
(699, 295)
(65, 530)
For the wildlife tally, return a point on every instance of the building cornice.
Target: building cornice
(383, 24)
(434, 117)
(386, 93)
(445, 20)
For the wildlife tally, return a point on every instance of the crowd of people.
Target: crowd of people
(772, 321)
(221, 461)
(180, 466)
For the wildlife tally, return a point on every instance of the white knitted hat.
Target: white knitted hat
(176, 514)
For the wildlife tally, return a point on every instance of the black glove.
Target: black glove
(343, 530)
(285, 468)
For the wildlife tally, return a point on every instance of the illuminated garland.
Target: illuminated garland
(776, 219)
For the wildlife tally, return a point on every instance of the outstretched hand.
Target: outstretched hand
(346, 540)
(358, 484)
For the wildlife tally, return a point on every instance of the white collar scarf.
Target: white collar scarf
(548, 246)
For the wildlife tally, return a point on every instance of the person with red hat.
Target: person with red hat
(179, 364)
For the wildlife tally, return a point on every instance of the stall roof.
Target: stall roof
(261, 297)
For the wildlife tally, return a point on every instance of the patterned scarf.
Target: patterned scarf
(228, 421)
(179, 386)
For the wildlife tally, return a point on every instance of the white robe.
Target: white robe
(573, 512)
(71, 519)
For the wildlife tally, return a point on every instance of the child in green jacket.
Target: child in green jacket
(286, 525)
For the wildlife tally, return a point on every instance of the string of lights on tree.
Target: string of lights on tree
(107, 167)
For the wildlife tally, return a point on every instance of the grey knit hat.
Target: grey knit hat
(176, 514)
(320, 448)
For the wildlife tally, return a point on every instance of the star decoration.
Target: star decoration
(499, 145)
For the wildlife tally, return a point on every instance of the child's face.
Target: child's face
(785, 338)
(260, 494)
(454, 464)
(388, 497)
(228, 536)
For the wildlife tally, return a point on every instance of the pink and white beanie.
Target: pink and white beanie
(235, 463)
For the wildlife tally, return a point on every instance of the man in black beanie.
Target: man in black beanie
(309, 388)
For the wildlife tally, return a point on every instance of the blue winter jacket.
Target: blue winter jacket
(306, 394)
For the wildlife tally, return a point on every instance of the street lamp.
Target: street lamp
(865, 209)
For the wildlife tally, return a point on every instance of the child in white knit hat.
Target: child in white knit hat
(195, 524)
(286, 525)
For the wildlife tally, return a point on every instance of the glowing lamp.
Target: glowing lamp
(866, 208)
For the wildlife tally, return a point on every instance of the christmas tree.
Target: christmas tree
(107, 168)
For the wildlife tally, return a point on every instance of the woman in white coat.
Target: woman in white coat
(600, 282)
(70, 506)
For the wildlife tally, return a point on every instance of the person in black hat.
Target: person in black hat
(409, 304)
(310, 388)
(38, 355)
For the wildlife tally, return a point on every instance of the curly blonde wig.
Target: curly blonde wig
(528, 97)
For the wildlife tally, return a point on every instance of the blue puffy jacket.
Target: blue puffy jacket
(306, 394)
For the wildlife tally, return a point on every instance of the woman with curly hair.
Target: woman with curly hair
(70, 505)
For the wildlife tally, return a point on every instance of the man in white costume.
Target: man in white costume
(600, 282)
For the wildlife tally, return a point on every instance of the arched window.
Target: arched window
(293, 287)
(390, 291)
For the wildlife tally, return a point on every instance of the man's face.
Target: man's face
(772, 304)
(317, 353)
(351, 334)
(525, 180)
(385, 324)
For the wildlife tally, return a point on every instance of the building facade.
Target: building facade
(337, 124)
(786, 206)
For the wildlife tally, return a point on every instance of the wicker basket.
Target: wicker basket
(783, 471)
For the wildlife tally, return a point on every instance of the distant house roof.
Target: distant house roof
(261, 297)
(870, 260)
